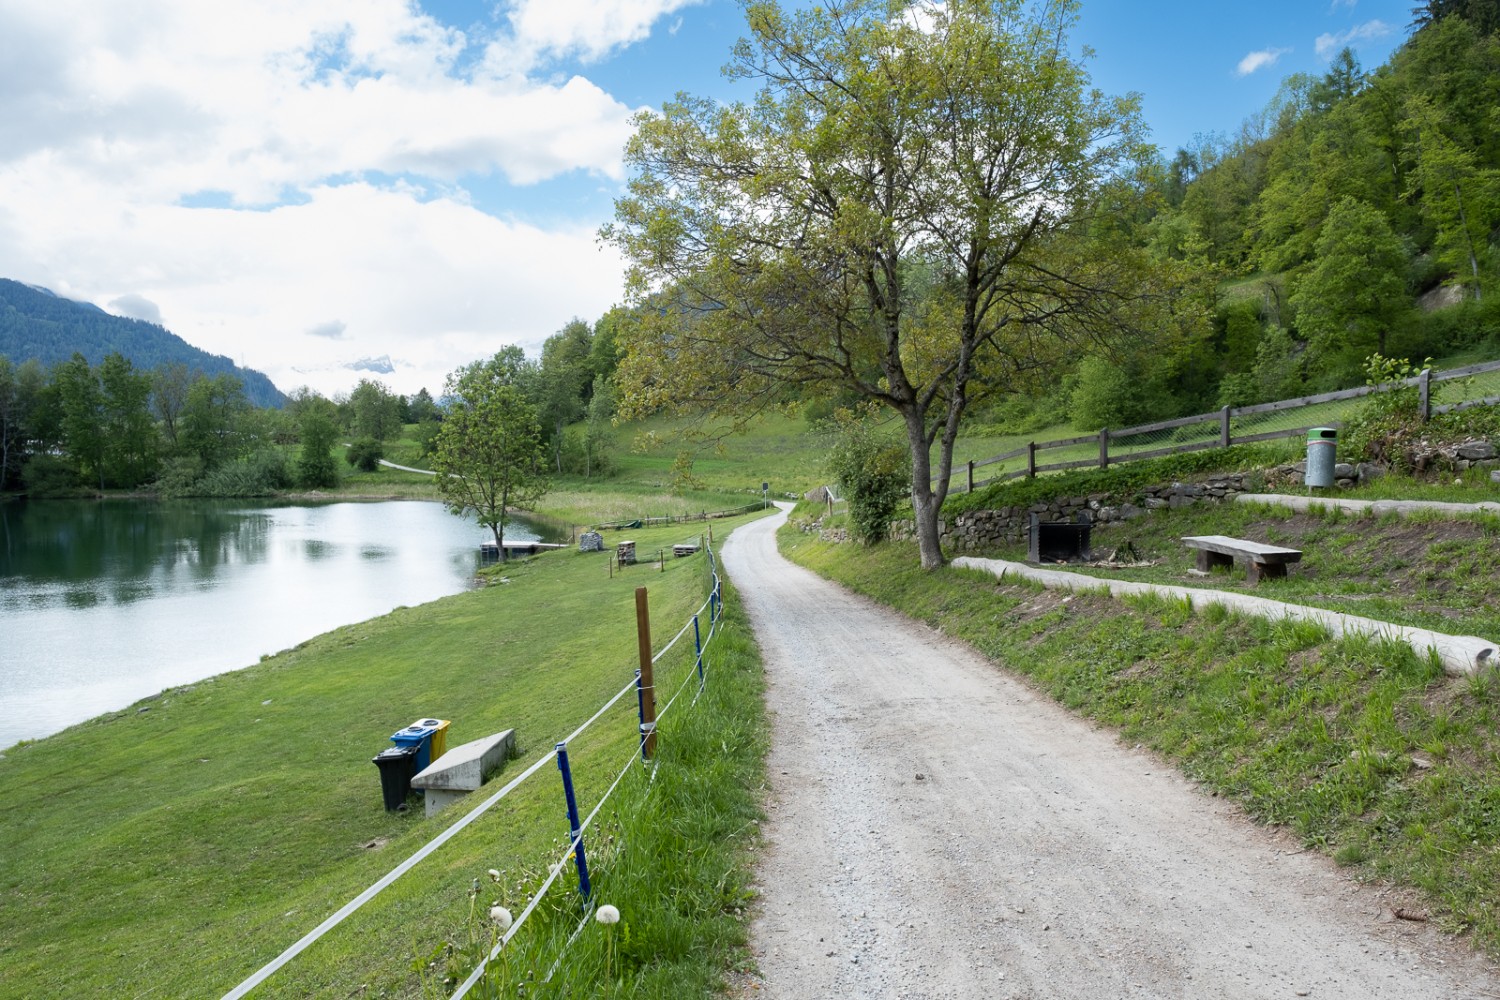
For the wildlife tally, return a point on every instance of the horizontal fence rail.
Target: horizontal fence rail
(710, 515)
(712, 609)
(1217, 429)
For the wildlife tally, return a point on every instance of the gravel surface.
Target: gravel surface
(937, 829)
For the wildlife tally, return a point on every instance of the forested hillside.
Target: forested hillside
(35, 324)
(1357, 213)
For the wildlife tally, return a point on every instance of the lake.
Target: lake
(105, 602)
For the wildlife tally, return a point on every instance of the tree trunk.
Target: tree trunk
(924, 508)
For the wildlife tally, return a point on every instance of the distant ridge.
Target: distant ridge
(36, 323)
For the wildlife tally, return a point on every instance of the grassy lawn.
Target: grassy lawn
(1363, 749)
(172, 848)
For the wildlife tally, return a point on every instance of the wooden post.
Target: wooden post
(1104, 448)
(971, 475)
(1031, 459)
(1224, 428)
(1424, 389)
(648, 690)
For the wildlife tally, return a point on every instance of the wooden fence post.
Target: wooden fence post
(971, 475)
(1104, 448)
(1031, 459)
(647, 682)
(1424, 390)
(1224, 428)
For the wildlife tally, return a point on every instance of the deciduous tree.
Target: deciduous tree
(897, 214)
(489, 457)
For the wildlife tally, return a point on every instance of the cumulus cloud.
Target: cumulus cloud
(586, 29)
(136, 307)
(1258, 60)
(1328, 45)
(313, 159)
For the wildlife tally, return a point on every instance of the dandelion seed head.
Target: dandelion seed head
(501, 916)
(607, 915)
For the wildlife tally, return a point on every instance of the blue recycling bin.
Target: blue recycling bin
(418, 735)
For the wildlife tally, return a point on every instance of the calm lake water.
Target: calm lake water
(104, 603)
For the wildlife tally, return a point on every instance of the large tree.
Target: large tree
(489, 457)
(899, 213)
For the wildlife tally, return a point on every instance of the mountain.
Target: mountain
(35, 323)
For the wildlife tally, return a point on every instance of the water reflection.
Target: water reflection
(175, 592)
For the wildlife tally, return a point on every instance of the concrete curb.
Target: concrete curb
(1375, 507)
(1461, 655)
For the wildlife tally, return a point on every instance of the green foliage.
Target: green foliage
(365, 454)
(375, 410)
(216, 420)
(50, 476)
(874, 473)
(1385, 420)
(489, 456)
(1355, 293)
(318, 429)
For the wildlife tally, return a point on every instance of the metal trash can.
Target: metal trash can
(397, 766)
(1322, 446)
(419, 736)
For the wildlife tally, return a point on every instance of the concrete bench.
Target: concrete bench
(1262, 560)
(464, 769)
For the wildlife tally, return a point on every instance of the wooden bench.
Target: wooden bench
(679, 551)
(1262, 560)
(463, 769)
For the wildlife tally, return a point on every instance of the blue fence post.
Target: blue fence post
(575, 835)
(698, 648)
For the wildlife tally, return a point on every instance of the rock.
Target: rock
(1476, 451)
(591, 541)
(1343, 470)
(1495, 477)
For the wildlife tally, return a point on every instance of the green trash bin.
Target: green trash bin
(1322, 447)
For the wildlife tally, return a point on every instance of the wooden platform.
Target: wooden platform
(1261, 560)
(488, 550)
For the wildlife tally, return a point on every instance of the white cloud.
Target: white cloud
(1329, 45)
(136, 307)
(1259, 59)
(336, 137)
(587, 29)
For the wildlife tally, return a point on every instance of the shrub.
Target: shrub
(874, 474)
(50, 476)
(365, 454)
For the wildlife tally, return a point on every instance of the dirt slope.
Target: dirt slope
(937, 830)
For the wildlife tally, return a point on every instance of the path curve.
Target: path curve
(936, 829)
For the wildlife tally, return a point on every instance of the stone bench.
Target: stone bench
(1262, 560)
(464, 769)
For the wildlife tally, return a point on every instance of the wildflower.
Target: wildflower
(494, 875)
(607, 915)
(501, 916)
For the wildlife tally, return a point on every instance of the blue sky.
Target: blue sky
(306, 184)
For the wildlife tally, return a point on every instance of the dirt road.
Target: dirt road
(938, 830)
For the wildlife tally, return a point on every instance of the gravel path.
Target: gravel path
(938, 830)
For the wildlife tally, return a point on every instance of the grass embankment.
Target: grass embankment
(170, 849)
(1362, 748)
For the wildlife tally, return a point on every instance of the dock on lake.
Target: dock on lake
(487, 549)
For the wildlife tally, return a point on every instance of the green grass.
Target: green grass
(1307, 732)
(1424, 570)
(172, 848)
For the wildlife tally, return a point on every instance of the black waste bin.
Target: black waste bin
(397, 766)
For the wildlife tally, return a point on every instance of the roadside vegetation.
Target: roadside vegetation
(171, 848)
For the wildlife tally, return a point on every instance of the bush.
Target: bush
(365, 454)
(51, 476)
(874, 474)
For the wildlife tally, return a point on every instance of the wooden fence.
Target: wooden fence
(1217, 429)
